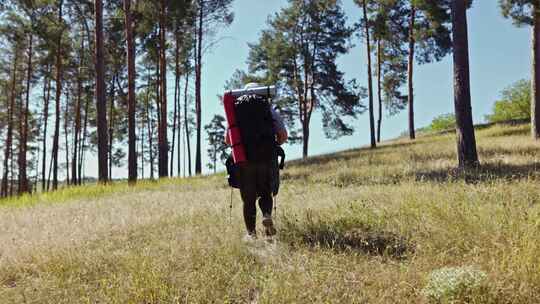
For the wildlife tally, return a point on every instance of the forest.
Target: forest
(82, 78)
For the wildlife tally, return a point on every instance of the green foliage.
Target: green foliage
(217, 147)
(514, 104)
(520, 11)
(443, 122)
(299, 53)
(432, 30)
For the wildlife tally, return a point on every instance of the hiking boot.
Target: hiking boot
(250, 237)
(268, 224)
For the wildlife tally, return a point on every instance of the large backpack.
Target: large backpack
(254, 118)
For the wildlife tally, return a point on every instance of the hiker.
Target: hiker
(258, 177)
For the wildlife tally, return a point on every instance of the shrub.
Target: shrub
(443, 122)
(515, 103)
(453, 283)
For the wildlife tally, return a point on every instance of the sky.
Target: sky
(499, 56)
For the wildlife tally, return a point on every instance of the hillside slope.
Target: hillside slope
(395, 225)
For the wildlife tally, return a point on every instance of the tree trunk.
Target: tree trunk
(179, 131)
(78, 108)
(466, 142)
(83, 141)
(535, 83)
(198, 69)
(111, 126)
(9, 134)
(46, 97)
(305, 139)
(150, 137)
(176, 94)
(410, 69)
(58, 96)
(379, 64)
(11, 170)
(101, 102)
(66, 140)
(23, 177)
(132, 136)
(163, 144)
(141, 153)
(186, 125)
(370, 80)
(214, 158)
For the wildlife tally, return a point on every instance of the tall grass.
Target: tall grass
(394, 225)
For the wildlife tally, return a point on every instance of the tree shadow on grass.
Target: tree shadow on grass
(485, 173)
(356, 238)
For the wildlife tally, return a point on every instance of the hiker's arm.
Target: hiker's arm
(282, 136)
(227, 139)
(279, 127)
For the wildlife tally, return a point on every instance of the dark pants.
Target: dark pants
(256, 184)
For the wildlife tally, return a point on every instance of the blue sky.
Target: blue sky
(499, 55)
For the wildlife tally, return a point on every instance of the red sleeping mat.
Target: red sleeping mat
(233, 132)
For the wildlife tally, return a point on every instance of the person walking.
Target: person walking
(263, 130)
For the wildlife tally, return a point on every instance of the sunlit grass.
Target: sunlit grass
(395, 225)
(91, 191)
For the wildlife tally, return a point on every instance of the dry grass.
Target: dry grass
(356, 227)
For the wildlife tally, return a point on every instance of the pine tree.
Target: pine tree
(100, 94)
(522, 13)
(366, 24)
(466, 142)
(429, 40)
(211, 14)
(217, 148)
(132, 155)
(298, 53)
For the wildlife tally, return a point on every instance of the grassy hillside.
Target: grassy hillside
(395, 225)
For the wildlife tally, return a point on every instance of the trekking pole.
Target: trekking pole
(231, 206)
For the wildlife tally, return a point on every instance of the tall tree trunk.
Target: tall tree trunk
(150, 137)
(214, 158)
(466, 142)
(379, 65)
(46, 99)
(101, 102)
(186, 125)
(410, 69)
(535, 83)
(11, 170)
(158, 94)
(9, 134)
(56, 138)
(132, 136)
(78, 109)
(198, 69)
(370, 78)
(66, 140)
(179, 131)
(163, 144)
(23, 146)
(176, 94)
(305, 139)
(111, 126)
(83, 140)
(141, 151)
